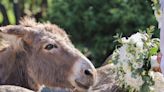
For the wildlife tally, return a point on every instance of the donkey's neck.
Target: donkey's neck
(19, 74)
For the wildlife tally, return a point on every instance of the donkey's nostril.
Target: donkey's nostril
(88, 72)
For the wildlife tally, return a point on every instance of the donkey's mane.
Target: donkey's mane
(28, 22)
(52, 28)
(3, 44)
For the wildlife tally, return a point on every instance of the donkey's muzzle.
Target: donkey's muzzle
(87, 74)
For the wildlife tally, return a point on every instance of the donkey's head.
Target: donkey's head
(52, 58)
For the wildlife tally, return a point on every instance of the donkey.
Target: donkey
(34, 54)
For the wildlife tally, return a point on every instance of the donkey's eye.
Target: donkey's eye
(50, 46)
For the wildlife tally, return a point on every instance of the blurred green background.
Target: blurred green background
(91, 24)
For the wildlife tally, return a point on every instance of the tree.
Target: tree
(20, 8)
(93, 23)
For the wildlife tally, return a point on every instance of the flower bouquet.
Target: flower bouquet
(133, 63)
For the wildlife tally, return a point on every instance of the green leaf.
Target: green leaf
(145, 88)
(150, 31)
(153, 51)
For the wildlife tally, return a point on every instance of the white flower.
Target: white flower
(151, 73)
(123, 53)
(139, 44)
(137, 38)
(152, 88)
(159, 82)
(124, 58)
(124, 40)
(126, 67)
(133, 82)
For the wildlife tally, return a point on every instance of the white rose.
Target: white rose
(139, 44)
(124, 40)
(135, 38)
(138, 37)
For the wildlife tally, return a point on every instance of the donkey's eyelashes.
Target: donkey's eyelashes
(51, 46)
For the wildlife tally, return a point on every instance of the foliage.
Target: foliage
(92, 23)
(155, 5)
(12, 10)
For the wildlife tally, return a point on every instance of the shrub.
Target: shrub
(93, 23)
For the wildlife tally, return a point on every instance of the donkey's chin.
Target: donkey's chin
(80, 87)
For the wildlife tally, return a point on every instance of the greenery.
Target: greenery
(92, 24)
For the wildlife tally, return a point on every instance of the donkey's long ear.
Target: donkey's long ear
(17, 30)
(12, 33)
